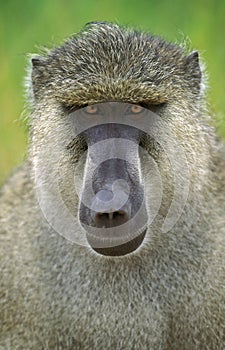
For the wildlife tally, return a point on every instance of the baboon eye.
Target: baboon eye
(136, 109)
(91, 109)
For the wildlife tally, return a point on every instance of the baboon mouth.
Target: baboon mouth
(119, 250)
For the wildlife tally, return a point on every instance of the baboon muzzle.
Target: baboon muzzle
(112, 208)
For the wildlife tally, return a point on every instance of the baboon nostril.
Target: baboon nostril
(111, 219)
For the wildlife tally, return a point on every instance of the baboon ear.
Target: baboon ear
(37, 61)
(192, 69)
(37, 73)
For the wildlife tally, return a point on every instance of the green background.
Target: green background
(27, 25)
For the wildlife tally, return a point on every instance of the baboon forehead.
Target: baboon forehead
(104, 49)
(111, 62)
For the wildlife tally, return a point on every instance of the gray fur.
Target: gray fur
(169, 294)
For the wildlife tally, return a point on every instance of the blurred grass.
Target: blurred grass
(27, 24)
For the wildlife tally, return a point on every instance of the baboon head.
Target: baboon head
(110, 107)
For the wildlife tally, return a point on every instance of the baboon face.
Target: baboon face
(124, 145)
(110, 97)
(111, 164)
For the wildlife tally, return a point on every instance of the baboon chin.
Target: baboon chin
(112, 231)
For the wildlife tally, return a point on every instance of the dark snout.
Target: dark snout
(112, 207)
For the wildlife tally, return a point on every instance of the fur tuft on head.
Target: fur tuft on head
(106, 61)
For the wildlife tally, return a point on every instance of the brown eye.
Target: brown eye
(136, 109)
(91, 109)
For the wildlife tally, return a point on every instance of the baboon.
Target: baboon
(162, 288)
